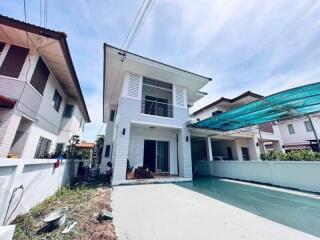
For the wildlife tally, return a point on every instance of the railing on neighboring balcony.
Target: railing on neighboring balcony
(156, 108)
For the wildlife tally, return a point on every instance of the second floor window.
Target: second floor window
(13, 62)
(56, 100)
(291, 129)
(308, 126)
(40, 76)
(2, 45)
(68, 111)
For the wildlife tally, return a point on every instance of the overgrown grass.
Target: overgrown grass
(31, 226)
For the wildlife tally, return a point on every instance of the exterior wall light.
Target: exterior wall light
(124, 131)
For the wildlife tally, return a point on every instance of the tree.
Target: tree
(84, 154)
(99, 148)
(72, 147)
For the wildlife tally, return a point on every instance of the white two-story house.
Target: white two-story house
(297, 133)
(241, 144)
(145, 106)
(41, 103)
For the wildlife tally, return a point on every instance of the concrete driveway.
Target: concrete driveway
(169, 211)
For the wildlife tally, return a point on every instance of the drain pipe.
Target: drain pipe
(177, 138)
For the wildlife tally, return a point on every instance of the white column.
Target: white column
(185, 162)
(121, 149)
(254, 148)
(209, 149)
(238, 149)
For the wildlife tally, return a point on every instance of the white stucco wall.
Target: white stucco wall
(38, 177)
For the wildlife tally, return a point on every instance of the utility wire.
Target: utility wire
(137, 24)
(135, 27)
(133, 24)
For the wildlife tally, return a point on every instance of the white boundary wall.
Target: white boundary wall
(302, 175)
(39, 178)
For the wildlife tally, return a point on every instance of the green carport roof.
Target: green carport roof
(291, 103)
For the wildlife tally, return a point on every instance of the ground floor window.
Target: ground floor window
(245, 153)
(43, 148)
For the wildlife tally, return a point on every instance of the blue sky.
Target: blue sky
(262, 46)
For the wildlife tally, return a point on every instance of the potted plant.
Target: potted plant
(130, 174)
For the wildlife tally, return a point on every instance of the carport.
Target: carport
(296, 102)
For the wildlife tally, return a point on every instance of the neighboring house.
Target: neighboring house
(145, 106)
(88, 146)
(241, 144)
(41, 103)
(297, 132)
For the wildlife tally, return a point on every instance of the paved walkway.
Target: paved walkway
(168, 211)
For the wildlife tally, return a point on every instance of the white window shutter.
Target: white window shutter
(133, 85)
(179, 96)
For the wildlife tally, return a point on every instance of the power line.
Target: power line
(133, 24)
(25, 10)
(134, 29)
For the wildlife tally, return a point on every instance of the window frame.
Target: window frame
(57, 100)
(40, 70)
(291, 129)
(71, 112)
(247, 154)
(308, 126)
(107, 151)
(13, 52)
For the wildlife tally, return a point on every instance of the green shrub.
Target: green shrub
(297, 155)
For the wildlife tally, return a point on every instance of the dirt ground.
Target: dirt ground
(83, 202)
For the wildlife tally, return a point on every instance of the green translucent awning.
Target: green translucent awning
(291, 103)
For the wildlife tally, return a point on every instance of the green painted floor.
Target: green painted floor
(299, 212)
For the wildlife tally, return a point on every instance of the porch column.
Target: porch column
(184, 146)
(238, 149)
(209, 149)
(9, 124)
(254, 148)
(121, 148)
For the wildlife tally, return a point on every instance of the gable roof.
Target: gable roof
(229, 100)
(75, 93)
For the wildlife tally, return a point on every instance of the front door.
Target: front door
(162, 156)
(149, 155)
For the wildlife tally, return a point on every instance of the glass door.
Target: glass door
(162, 159)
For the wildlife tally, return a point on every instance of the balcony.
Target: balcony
(157, 108)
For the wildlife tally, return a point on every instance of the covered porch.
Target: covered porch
(156, 154)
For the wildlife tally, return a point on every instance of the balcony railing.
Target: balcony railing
(156, 108)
